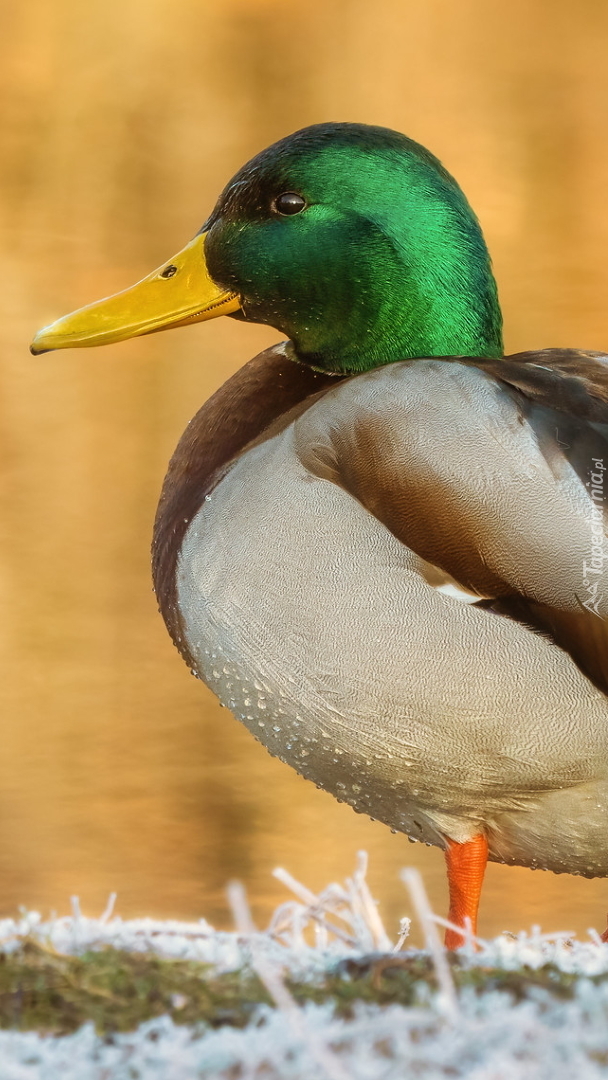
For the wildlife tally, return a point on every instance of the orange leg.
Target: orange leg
(466, 864)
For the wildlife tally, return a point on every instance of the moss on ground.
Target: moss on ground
(54, 993)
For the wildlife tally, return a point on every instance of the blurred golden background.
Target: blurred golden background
(120, 122)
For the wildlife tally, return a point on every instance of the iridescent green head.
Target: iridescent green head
(376, 257)
(352, 240)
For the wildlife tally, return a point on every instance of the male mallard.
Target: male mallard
(380, 543)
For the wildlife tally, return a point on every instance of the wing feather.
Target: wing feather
(487, 470)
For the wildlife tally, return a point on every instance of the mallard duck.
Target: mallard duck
(380, 543)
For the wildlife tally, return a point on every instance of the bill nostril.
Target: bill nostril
(169, 271)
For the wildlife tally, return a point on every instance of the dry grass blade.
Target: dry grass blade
(448, 1000)
(354, 906)
(272, 979)
(315, 907)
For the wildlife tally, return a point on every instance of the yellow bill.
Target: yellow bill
(179, 293)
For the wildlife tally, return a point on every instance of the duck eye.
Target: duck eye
(169, 271)
(289, 203)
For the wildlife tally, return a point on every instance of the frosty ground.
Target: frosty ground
(321, 994)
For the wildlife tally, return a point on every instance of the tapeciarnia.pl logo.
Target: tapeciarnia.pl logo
(593, 570)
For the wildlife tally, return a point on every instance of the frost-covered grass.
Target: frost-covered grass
(322, 994)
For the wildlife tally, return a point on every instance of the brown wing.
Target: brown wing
(485, 469)
(573, 381)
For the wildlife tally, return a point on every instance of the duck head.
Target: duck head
(352, 240)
